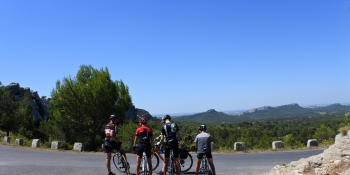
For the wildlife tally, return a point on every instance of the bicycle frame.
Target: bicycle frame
(144, 164)
(120, 163)
(172, 165)
(205, 168)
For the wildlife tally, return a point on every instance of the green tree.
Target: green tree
(26, 119)
(8, 110)
(289, 140)
(264, 142)
(81, 106)
(324, 133)
(347, 118)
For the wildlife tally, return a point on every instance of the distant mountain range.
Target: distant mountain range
(289, 111)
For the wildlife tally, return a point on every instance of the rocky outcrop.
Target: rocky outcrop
(39, 106)
(265, 108)
(334, 160)
(131, 113)
(211, 111)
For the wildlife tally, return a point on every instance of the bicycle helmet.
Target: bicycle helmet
(113, 116)
(166, 117)
(202, 128)
(143, 120)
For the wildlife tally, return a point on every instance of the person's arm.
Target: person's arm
(113, 136)
(195, 141)
(161, 140)
(178, 135)
(151, 139)
(135, 140)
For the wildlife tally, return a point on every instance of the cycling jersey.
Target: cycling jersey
(109, 143)
(169, 131)
(108, 128)
(203, 140)
(144, 133)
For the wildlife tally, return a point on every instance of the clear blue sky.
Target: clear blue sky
(185, 55)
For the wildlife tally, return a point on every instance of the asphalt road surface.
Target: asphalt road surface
(31, 161)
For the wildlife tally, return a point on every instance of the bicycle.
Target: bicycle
(205, 168)
(172, 166)
(185, 158)
(120, 163)
(144, 163)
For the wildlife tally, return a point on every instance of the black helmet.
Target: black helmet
(202, 128)
(113, 116)
(166, 117)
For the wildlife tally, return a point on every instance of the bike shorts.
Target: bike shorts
(109, 146)
(208, 154)
(171, 146)
(141, 147)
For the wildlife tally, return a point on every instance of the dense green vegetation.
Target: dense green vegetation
(256, 135)
(80, 107)
(15, 115)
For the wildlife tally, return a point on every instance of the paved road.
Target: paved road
(29, 161)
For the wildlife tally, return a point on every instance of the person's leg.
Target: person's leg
(198, 163)
(177, 165)
(122, 152)
(176, 158)
(138, 162)
(108, 161)
(149, 165)
(149, 160)
(165, 165)
(166, 159)
(211, 163)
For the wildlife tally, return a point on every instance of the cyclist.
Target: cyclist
(204, 140)
(145, 136)
(170, 132)
(111, 141)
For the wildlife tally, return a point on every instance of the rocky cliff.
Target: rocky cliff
(265, 108)
(334, 160)
(39, 106)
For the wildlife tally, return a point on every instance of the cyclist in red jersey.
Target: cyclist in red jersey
(145, 136)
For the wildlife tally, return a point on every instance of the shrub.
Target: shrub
(344, 130)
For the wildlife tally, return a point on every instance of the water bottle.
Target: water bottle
(160, 150)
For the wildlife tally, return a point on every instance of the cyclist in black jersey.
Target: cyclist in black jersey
(170, 131)
(111, 141)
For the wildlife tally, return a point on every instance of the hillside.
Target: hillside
(284, 112)
(210, 116)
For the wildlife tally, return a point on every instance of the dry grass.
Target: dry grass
(309, 170)
(344, 130)
(339, 168)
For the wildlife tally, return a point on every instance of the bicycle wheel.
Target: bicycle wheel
(186, 164)
(155, 161)
(117, 161)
